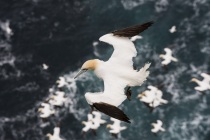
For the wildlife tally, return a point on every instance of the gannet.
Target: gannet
(134, 38)
(58, 99)
(45, 66)
(45, 110)
(88, 124)
(172, 29)
(157, 126)
(152, 97)
(97, 117)
(56, 134)
(117, 72)
(167, 57)
(204, 84)
(115, 127)
(61, 82)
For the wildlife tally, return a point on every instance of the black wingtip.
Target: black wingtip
(112, 111)
(133, 30)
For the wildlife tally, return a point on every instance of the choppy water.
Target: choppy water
(61, 34)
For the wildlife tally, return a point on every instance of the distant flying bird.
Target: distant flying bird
(88, 124)
(5, 27)
(45, 110)
(117, 72)
(134, 38)
(157, 126)
(167, 57)
(56, 134)
(45, 66)
(61, 82)
(204, 84)
(152, 97)
(58, 99)
(172, 29)
(97, 117)
(116, 128)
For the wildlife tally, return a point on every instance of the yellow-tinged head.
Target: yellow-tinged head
(88, 65)
(49, 135)
(141, 95)
(194, 80)
(161, 55)
(108, 126)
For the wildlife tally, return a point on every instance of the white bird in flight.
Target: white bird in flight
(117, 73)
(58, 99)
(157, 126)
(45, 66)
(172, 29)
(167, 57)
(61, 82)
(204, 84)
(115, 127)
(88, 124)
(97, 117)
(46, 110)
(56, 134)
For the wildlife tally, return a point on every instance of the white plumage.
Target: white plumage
(61, 82)
(117, 72)
(58, 99)
(56, 134)
(88, 124)
(134, 38)
(157, 126)
(167, 57)
(172, 29)
(204, 84)
(115, 127)
(97, 117)
(46, 110)
(153, 97)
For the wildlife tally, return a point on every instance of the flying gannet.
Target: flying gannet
(45, 110)
(117, 73)
(56, 134)
(157, 126)
(45, 66)
(167, 57)
(115, 127)
(58, 99)
(204, 84)
(172, 29)
(152, 97)
(88, 124)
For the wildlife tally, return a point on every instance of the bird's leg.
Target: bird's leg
(128, 93)
(92, 108)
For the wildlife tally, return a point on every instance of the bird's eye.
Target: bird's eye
(85, 69)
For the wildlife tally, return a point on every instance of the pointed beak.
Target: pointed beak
(80, 72)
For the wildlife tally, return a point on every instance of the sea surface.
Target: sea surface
(61, 34)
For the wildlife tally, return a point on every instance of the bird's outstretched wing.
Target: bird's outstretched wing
(111, 111)
(133, 30)
(124, 49)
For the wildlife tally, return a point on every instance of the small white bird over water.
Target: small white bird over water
(61, 82)
(58, 99)
(117, 73)
(204, 84)
(45, 110)
(97, 117)
(56, 134)
(157, 126)
(134, 38)
(167, 57)
(115, 127)
(172, 29)
(45, 66)
(88, 124)
(152, 97)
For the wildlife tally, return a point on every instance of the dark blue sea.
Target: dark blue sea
(60, 33)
